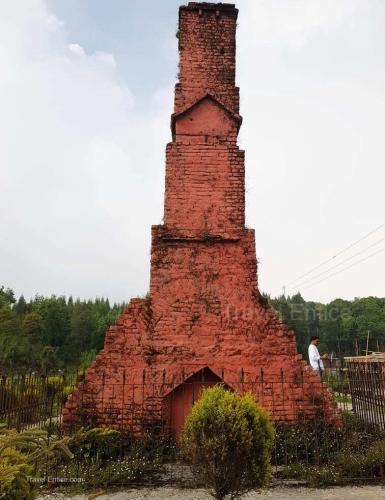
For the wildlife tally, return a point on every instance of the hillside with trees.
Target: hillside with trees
(342, 325)
(51, 333)
(47, 334)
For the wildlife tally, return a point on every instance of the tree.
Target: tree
(32, 332)
(20, 307)
(11, 346)
(228, 440)
(7, 297)
(33, 328)
(369, 316)
(103, 321)
(55, 314)
(83, 328)
(48, 360)
(294, 313)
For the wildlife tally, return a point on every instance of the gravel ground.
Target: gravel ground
(280, 493)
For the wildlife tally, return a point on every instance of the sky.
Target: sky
(86, 93)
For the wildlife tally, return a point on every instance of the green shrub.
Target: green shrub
(105, 457)
(361, 465)
(364, 464)
(55, 380)
(105, 444)
(117, 472)
(376, 458)
(96, 444)
(14, 471)
(316, 442)
(315, 476)
(357, 451)
(23, 454)
(227, 439)
(313, 442)
(122, 471)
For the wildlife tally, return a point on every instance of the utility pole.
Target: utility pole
(367, 342)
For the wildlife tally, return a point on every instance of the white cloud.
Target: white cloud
(313, 101)
(107, 59)
(82, 162)
(289, 23)
(76, 49)
(78, 180)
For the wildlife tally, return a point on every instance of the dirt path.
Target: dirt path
(167, 493)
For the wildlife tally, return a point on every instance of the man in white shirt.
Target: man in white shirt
(315, 359)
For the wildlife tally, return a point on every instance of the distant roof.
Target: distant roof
(373, 357)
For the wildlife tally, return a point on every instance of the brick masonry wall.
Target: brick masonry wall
(204, 187)
(206, 38)
(204, 311)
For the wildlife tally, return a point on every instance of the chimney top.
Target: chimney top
(208, 6)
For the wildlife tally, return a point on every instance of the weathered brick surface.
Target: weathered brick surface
(207, 55)
(204, 311)
(204, 188)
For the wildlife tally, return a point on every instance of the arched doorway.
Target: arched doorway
(177, 404)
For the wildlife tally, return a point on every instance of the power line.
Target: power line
(333, 257)
(345, 268)
(337, 265)
(337, 254)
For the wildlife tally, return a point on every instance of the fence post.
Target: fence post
(21, 401)
(123, 391)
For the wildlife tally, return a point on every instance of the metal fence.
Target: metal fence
(34, 401)
(366, 376)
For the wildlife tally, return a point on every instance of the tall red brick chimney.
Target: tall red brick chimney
(205, 320)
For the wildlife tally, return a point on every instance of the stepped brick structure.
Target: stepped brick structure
(205, 320)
